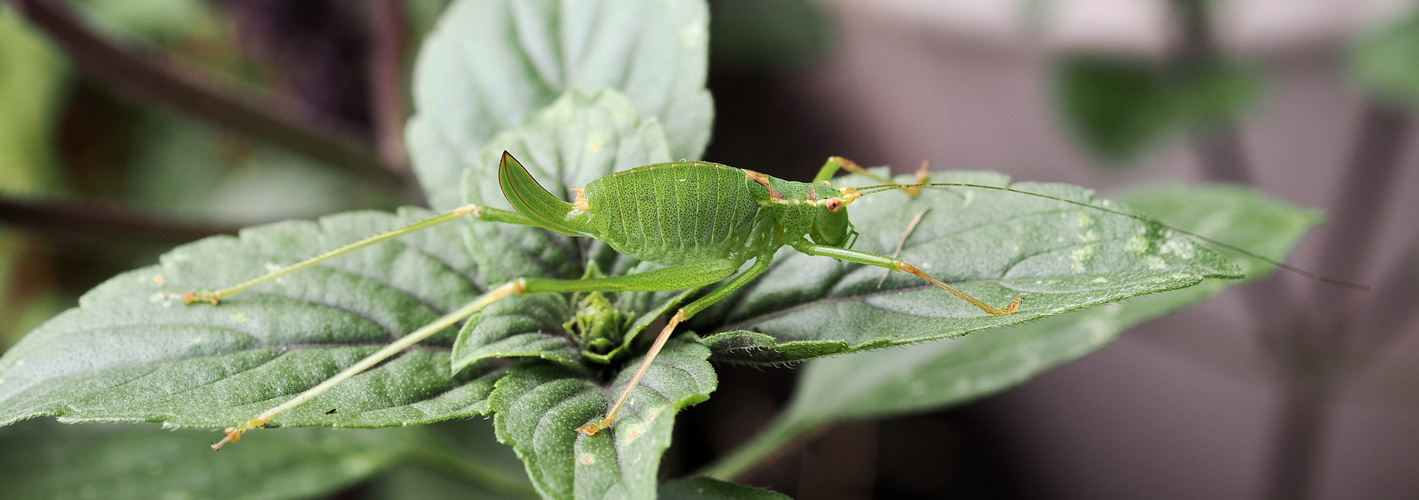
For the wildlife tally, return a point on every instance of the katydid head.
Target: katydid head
(831, 225)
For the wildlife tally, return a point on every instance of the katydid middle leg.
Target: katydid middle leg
(835, 163)
(688, 276)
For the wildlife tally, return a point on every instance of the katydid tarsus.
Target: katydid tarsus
(738, 216)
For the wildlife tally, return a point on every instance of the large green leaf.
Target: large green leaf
(491, 63)
(539, 405)
(47, 460)
(932, 375)
(993, 245)
(892, 382)
(132, 351)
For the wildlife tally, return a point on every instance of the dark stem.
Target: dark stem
(1221, 158)
(187, 88)
(1353, 226)
(102, 221)
(388, 27)
(1395, 303)
(1280, 322)
(1302, 420)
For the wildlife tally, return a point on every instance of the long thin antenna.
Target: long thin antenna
(1324, 279)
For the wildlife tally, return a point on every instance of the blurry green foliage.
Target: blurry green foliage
(31, 77)
(1122, 107)
(772, 35)
(153, 21)
(1385, 61)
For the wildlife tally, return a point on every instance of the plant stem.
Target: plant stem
(773, 441)
(1353, 226)
(189, 89)
(1315, 350)
(101, 220)
(1395, 303)
(1298, 434)
(388, 29)
(1220, 155)
(458, 467)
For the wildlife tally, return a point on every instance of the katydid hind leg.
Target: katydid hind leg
(901, 243)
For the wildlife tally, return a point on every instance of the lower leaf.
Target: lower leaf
(540, 404)
(41, 459)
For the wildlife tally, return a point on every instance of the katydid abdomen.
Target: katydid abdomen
(674, 213)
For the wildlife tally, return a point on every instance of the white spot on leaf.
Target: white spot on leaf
(1181, 248)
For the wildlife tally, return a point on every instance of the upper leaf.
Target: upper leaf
(491, 63)
(993, 245)
(133, 352)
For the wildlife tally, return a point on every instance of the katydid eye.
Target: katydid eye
(834, 204)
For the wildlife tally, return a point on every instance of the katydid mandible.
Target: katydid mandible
(708, 221)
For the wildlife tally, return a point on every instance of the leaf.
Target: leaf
(46, 460)
(932, 375)
(490, 64)
(1237, 215)
(1385, 60)
(539, 405)
(133, 352)
(1122, 107)
(571, 143)
(704, 488)
(993, 245)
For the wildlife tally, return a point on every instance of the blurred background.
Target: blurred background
(128, 126)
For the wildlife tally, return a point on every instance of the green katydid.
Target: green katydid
(709, 221)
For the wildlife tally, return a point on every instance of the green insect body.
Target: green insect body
(688, 212)
(702, 220)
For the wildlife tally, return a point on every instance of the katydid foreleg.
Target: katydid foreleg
(835, 163)
(477, 211)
